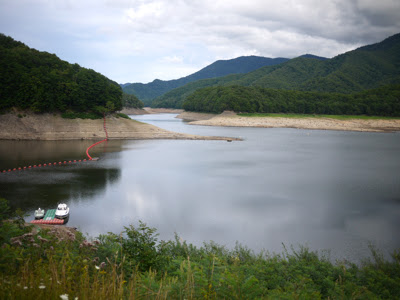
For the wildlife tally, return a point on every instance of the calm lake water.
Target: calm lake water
(323, 189)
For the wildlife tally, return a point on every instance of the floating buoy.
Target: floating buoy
(65, 162)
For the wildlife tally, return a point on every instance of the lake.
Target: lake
(323, 189)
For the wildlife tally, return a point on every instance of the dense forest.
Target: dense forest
(365, 68)
(383, 101)
(41, 82)
(244, 64)
(131, 101)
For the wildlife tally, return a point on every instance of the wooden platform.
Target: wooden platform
(49, 218)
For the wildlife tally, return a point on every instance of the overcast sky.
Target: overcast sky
(141, 40)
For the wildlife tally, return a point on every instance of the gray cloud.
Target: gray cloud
(140, 40)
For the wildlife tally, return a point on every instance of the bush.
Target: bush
(81, 115)
(121, 115)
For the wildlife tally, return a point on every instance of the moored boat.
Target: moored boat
(62, 211)
(39, 213)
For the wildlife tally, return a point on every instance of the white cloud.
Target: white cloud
(172, 59)
(139, 40)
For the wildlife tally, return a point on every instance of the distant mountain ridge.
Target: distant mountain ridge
(367, 67)
(244, 64)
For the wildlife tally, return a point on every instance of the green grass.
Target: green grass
(337, 117)
(121, 115)
(135, 265)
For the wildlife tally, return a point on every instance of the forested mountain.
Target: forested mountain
(298, 68)
(30, 79)
(147, 92)
(367, 67)
(383, 101)
(131, 101)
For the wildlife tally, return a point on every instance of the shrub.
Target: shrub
(81, 115)
(121, 115)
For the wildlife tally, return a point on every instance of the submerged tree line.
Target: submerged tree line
(383, 101)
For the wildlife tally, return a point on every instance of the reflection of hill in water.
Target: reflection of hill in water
(14, 154)
(47, 187)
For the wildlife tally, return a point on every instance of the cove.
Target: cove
(324, 189)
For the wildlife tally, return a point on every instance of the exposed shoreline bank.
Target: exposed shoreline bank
(30, 126)
(149, 110)
(231, 119)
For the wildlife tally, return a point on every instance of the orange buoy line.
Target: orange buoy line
(63, 162)
(95, 144)
(44, 165)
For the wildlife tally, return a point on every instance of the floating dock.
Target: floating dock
(49, 218)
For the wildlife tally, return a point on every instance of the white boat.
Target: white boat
(62, 211)
(39, 213)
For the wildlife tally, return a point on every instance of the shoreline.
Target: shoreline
(52, 127)
(231, 119)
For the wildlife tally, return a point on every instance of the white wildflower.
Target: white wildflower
(64, 297)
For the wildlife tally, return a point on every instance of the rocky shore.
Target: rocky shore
(30, 126)
(231, 119)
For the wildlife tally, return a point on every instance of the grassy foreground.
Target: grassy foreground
(135, 265)
(336, 117)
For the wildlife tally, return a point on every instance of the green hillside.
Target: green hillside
(131, 101)
(383, 101)
(364, 68)
(41, 82)
(298, 68)
(149, 91)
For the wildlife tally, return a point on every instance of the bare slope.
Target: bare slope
(53, 127)
(231, 119)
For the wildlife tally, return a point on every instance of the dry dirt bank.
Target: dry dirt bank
(232, 119)
(134, 111)
(163, 110)
(149, 110)
(194, 116)
(53, 127)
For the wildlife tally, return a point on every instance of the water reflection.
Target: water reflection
(330, 190)
(48, 186)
